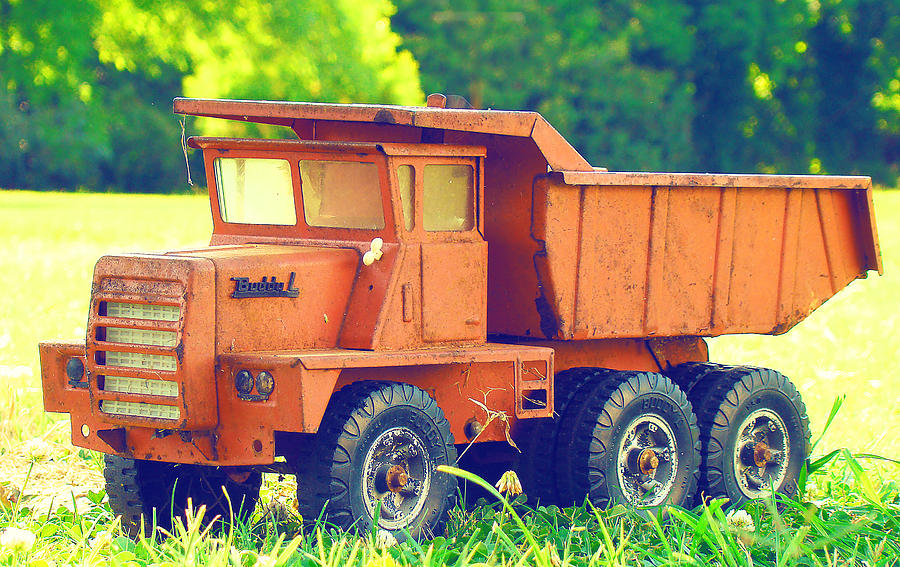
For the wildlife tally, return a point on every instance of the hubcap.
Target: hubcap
(761, 453)
(647, 461)
(397, 475)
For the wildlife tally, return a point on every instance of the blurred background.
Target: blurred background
(773, 86)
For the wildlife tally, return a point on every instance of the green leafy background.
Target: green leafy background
(783, 86)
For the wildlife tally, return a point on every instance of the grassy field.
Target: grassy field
(51, 241)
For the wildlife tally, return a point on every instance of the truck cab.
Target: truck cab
(412, 211)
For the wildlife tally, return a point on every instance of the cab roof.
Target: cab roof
(307, 118)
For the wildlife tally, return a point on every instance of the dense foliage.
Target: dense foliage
(727, 85)
(86, 87)
(705, 85)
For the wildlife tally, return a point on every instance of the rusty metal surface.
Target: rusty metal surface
(391, 149)
(558, 153)
(323, 279)
(674, 260)
(58, 392)
(631, 179)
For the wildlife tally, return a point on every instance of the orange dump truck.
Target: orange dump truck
(395, 283)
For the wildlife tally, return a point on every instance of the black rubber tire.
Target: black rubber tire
(160, 491)
(537, 439)
(724, 398)
(360, 420)
(592, 439)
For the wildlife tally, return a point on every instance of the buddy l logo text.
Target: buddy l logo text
(243, 287)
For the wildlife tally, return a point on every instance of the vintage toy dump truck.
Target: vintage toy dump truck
(395, 283)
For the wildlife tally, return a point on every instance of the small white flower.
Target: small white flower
(509, 484)
(741, 520)
(101, 540)
(266, 561)
(385, 539)
(17, 539)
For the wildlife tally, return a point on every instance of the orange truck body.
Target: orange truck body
(561, 265)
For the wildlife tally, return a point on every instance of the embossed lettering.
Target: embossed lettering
(243, 288)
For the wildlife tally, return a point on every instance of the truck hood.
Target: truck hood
(274, 297)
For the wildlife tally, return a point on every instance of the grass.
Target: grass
(848, 347)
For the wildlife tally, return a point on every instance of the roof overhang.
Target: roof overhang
(560, 155)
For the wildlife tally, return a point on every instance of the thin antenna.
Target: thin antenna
(187, 165)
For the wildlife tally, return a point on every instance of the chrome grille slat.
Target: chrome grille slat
(141, 360)
(143, 311)
(141, 336)
(143, 386)
(138, 409)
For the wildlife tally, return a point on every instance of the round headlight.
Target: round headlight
(243, 382)
(74, 369)
(265, 383)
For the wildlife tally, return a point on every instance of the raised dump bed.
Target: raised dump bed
(659, 254)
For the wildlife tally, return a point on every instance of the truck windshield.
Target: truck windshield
(255, 191)
(341, 194)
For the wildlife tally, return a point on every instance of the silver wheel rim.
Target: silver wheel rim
(397, 475)
(647, 461)
(761, 453)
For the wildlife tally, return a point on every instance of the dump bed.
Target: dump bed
(636, 254)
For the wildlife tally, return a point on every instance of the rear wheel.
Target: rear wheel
(630, 438)
(160, 492)
(537, 438)
(754, 432)
(378, 449)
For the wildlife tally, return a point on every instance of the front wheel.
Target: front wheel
(154, 493)
(379, 447)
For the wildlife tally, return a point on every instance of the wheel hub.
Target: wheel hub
(761, 453)
(648, 461)
(396, 477)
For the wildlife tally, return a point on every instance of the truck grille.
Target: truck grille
(140, 340)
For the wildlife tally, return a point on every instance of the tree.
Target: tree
(86, 92)
(712, 85)
(569, 60)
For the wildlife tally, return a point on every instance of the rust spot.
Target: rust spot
(384, 116)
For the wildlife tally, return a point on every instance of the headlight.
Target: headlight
(243, 382)
(265, 383)
(74, 369)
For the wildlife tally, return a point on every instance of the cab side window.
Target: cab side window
(407, 183)
(448, 197)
